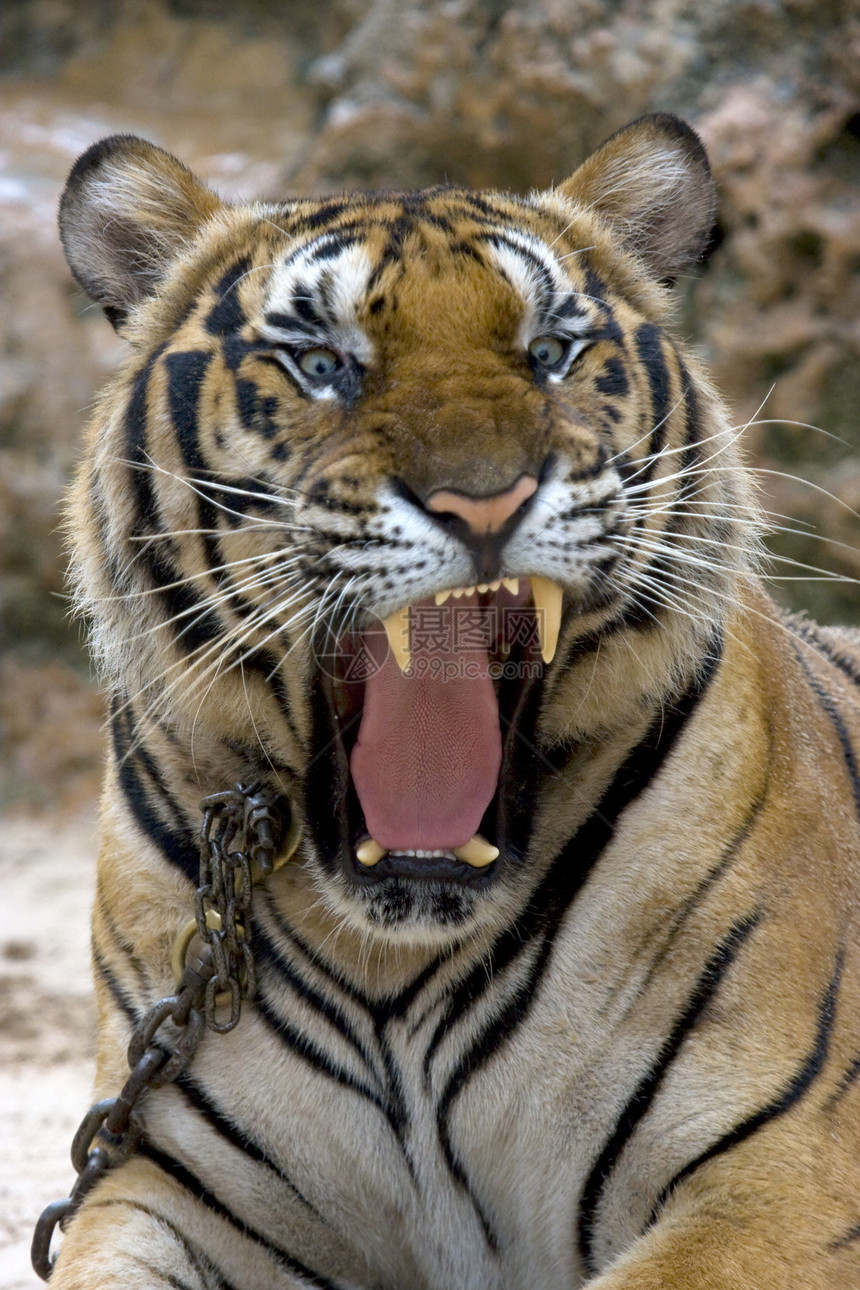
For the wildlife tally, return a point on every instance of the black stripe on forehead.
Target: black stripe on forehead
(325, 246)
(228, 317)
(556, 305)
(498, 240)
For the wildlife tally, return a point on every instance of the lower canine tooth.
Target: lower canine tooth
(369, 852)
(477, 852)
(397, 631)
(547, 596)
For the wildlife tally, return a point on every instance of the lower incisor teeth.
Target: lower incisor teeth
(477, 852)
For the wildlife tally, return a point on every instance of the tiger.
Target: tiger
(412, 510)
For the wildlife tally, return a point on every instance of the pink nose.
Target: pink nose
(483, 514)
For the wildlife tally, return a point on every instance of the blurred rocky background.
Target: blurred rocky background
(270, 99)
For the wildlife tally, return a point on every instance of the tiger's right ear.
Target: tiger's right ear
(127, 211)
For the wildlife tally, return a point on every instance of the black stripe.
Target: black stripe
(846, 1239)
(122, 1001)
(498, 240)
(719, 870)
(193, 625)
(268, 956)
(492, 1037)
(781, 1104)
(613, 378)
(596, 290)
(640, 1103)
(257, 413)
(330, 246)
(255, 494)
(166, 1277)
(846, 663)
(122, 945)
(241, 1139)
(178, 844)
(568, 308)
(396, 1110)
(324, 214)
(292, 323)
(194, 1185)
(136, 421)
(316, 1057)
(693, 434)
(227, 316)
(383, 1010)
(200, 1261)
(847, 1081)
(390, 1101)
(649, 347)
(297, 387)
(185, 374)
(140, 753)
(829, 707)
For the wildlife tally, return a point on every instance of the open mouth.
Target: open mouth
(421, 724)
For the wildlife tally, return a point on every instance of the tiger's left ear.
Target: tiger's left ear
(652, 184)
(128, 209)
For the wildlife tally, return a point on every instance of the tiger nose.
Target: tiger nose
(483, 515)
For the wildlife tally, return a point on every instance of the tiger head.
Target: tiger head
(405, 499)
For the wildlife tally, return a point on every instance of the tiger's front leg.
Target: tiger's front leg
(138, 1231)
(764, 1222)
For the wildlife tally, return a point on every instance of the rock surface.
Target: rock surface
(288, 99)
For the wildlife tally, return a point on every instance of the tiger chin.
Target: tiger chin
(410, 510)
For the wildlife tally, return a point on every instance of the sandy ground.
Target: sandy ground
(46, 1023)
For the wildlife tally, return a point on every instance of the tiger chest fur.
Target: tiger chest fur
(408, 508)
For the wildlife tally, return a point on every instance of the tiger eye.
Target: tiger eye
(548, 351)
(319, 363)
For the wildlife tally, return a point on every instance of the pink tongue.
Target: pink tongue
(426, 762)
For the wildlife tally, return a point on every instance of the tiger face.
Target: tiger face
(388, 479)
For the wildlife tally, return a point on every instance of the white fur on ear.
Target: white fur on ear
(652, 183)
(127, 210)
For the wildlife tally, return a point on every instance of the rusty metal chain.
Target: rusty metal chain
(217, 968)
(226, 890)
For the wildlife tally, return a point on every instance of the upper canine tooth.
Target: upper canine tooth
(397, 631)
(477, 852)
(547, 596)
(442, 596)
(512, 585)
(369, 852)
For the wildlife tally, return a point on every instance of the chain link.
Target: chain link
(226, 887)
(219, 970)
